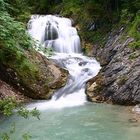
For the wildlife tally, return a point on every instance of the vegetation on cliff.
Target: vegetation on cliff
(20, 65)
(96, 18)
(14, 41)
(93, 18)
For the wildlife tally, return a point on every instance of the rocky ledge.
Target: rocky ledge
(7, 91)
(119, 79)
(37, 81)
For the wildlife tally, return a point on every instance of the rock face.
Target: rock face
(119, 80)
(8, 91)
(36, 84)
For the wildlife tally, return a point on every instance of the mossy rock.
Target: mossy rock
(30, 73)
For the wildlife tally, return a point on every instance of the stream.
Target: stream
(68, 115)
(89, 122)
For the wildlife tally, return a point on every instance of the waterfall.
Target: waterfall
(57, 33)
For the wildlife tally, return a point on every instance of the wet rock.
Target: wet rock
(120, 73)
(136, 109)
(94, 86)
(91, 27)
(82, 63)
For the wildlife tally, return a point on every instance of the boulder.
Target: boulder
(37, 79)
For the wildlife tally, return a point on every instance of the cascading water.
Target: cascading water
(89, 122)
(57, 33)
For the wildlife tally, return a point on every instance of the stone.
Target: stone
(6, 91)
(136, 109)
(39, 84)
(91, 87)
(120, 74)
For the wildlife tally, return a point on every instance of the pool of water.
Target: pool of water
(88, 122)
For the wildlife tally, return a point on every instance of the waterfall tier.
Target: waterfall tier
(55, 32)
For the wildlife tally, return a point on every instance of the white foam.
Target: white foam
(67, 54)
(75, 99)
(68, 41)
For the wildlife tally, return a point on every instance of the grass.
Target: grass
(135, 32)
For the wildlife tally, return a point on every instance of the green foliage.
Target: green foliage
(24, 112)
(104, 14)
(35, 113)
(15, 58)
(135, 45)
(27, 113)
(134, 27)
(20, 8)
(27, 70)
(122, 80)
(13, 33)
(132, 5)
(26, 136)
(125, 17)
(14, 40)
(47, 51)
(6, 135)
(134, 55)
(135, 32)
(71, 7)
(2, 5)
(7, 106)
(12, 130)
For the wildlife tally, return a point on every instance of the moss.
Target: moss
(24, 17)
(134, 27)
(134, 32)
(81, 11)
(125, 17)
(122, 80)
(134, 55)
(15, 58)
(135, 45)
(27, 70)
(49, 79)
(131, 24)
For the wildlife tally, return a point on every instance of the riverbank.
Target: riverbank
(119, 79)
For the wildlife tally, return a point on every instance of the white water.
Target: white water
(57, 33)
